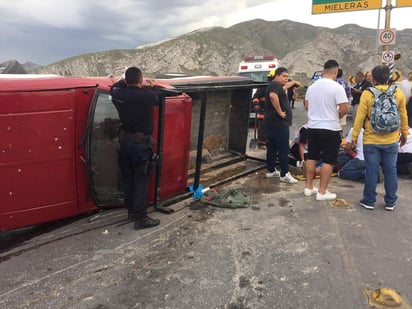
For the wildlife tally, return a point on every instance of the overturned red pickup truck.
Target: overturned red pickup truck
(58, 147)
(59, 141)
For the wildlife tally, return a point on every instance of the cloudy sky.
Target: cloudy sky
(46, 31)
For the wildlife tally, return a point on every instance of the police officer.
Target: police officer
(135, 107)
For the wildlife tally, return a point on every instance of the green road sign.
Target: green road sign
(338, 6)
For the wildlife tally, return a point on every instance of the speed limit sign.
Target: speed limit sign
(387, 37)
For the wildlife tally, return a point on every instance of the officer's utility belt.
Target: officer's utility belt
(140, 138)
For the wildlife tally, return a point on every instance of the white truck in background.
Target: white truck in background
(257, 68)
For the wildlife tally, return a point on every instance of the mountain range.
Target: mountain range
(300, 47)
(14, 67)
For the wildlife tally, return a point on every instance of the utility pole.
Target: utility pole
(388, 9)
(378, 55)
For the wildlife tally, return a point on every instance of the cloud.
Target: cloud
(51, 30)
(57, 13)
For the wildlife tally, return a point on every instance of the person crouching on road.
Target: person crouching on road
(135, 108)
(380, 148)
(278, 119)
(326, 102)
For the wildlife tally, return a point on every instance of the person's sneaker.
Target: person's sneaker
(145, 222)
(288, 178)
(366, 205)
(275, 173)
(309, 192)
(390, 207)
(324, 197)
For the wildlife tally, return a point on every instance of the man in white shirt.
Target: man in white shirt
(406, 86)
(326, 102)
(404, 163)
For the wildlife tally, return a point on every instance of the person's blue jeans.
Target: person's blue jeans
(386, 156)
(277, 145)
(353, 170)
(342, 159)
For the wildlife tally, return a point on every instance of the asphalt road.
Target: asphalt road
(284, 251)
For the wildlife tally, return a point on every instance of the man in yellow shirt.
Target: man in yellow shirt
(380, 149)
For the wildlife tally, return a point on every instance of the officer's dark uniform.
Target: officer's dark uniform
(259, 101)
(135, 108)
(359, 86)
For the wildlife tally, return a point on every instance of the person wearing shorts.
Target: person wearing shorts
(326, 102)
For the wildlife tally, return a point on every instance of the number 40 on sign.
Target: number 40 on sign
(387, 37)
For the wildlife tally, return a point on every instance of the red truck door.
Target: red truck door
(102, 145)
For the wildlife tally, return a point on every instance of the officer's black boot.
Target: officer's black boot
(145, 222)
(131, 216)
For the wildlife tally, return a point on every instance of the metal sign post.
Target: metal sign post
(388, 36)
(388, 9)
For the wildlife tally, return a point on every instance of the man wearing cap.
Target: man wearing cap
(406, 86)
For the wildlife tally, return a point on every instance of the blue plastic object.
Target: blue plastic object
(197, 194)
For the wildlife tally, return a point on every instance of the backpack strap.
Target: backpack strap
(391, 89)
(375, 92)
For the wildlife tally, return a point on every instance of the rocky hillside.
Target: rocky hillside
(217, 51)
(12, 67)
